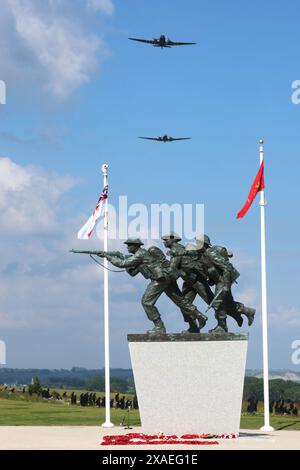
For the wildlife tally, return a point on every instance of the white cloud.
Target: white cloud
(248, 296)
(29, 198)
(43, 44)
(285, 317)
(244, 260)
(7, 322)
(48, 294)
(106, 6)
(54, 299)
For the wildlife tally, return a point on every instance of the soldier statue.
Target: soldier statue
(186, 262)
(214, 263)
(153, 265)
(202, 266)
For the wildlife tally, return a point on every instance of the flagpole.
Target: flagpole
(108, 423)
(262, 203)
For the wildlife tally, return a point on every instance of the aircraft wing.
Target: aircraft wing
(147, 41)
(171, 43)
(179, 138)
(149, 138)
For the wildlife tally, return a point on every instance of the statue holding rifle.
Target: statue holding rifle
(213, 262)
(153, 265)
(201, 267)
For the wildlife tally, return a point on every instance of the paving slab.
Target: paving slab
(90, 437)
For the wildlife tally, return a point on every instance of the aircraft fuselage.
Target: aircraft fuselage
(161, 42)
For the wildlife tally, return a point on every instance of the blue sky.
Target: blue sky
(79, 93)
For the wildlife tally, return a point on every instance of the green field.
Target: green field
(27, 413)
(43, 413)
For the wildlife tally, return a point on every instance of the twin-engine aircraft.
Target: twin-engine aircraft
(162, 41)
(165, 138)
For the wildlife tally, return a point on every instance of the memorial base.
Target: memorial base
(189, 384)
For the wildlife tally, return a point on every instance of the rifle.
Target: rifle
(102, 255)
(87, 252)
(214, 299)
(98, 253)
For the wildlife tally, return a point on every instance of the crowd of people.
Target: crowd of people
(84, 399)
(90, 399)
(279, 407)
(19, 390)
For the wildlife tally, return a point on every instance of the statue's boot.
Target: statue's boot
(250, 314)
(247, 311)
(159, 328)
(221, 327)
(193, 327)
(202, 319)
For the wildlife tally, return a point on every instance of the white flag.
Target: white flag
(86, 231)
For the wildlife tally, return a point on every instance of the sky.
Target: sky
(79, 94)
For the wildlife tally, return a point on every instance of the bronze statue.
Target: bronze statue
(214, 263)
(201, 267)
(195, 282)
(153, 265)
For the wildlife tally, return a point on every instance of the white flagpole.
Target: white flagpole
(107, 423)
(267, 426)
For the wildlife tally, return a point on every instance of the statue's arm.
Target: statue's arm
(174, 263)
(106, 254)
(133, 271)
(124, 262)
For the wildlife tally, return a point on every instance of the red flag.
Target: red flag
(258, 185)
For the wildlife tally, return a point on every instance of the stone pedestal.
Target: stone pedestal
(189, 383)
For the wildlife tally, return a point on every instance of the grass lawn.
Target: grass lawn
(278, 422)
(27, 413)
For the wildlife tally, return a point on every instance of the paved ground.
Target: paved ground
(82, 437)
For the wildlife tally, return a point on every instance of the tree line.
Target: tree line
(122, 381)
(77, 378)
(279, 389)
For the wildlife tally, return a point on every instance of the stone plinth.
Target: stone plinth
(189, 383)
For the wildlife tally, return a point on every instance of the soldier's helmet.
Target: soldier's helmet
(203, 240)
(133, 241)
(171, 236)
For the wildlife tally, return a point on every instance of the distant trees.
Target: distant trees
(116, 385)
(122, 381)
(77, 377)
(35, 386)
(279, 389)
(95, 383)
